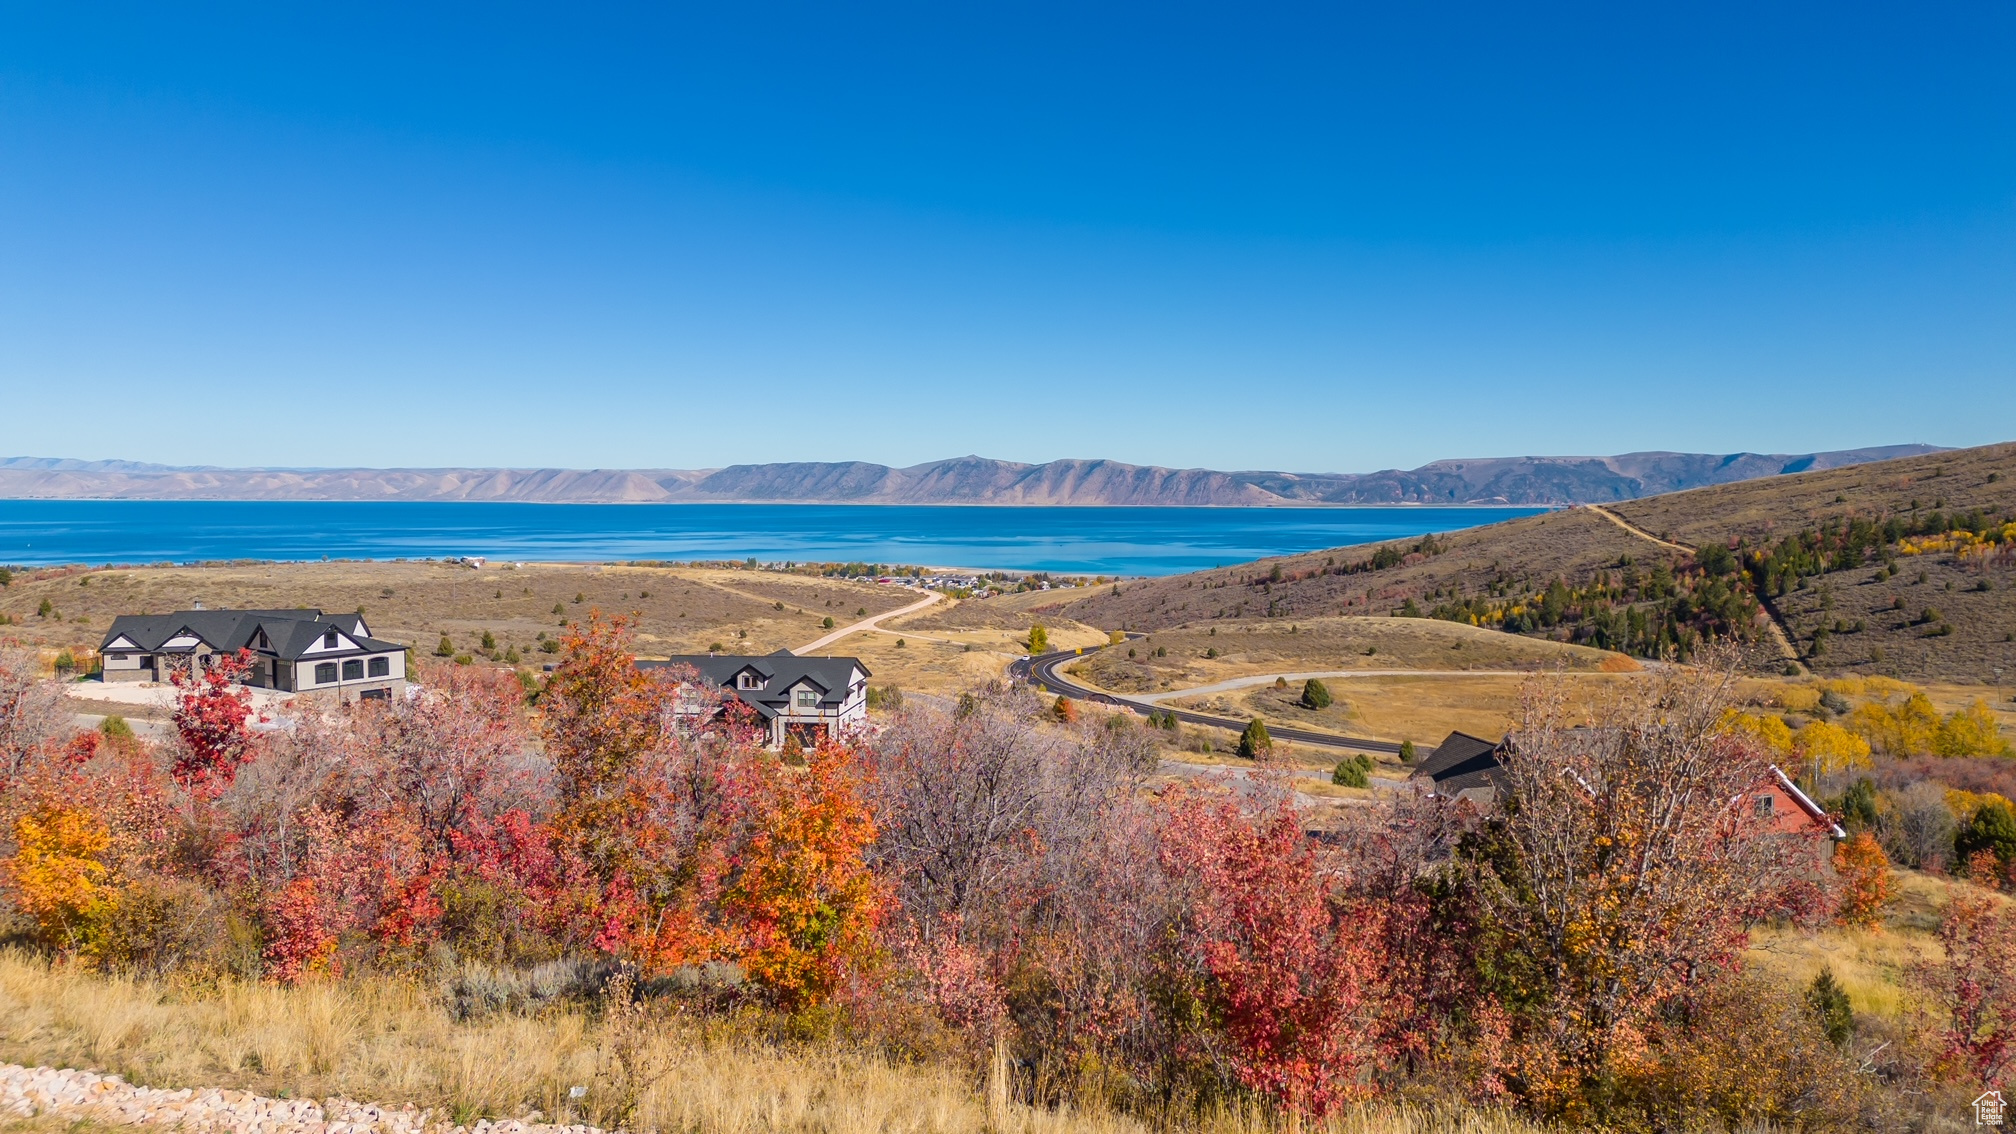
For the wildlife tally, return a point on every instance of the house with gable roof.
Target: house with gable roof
(1465, 767)
(810, 699)
(296, 651)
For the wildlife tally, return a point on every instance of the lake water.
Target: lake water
(1104, 541)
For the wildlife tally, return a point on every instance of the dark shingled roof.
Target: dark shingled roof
(289, 632)
(780, 672)
(1463, 762)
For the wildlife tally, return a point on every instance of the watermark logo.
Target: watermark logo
(1989, 1109)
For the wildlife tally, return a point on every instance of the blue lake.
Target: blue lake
(1105, 541)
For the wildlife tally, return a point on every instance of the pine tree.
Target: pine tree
(1255, 740)
(1829, 1001)
(1315, 695)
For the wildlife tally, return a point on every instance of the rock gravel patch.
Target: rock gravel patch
(36, 1092)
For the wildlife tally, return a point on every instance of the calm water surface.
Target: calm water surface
(1108, 541)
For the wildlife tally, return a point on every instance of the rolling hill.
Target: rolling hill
(1863, 567)
(1527, 481)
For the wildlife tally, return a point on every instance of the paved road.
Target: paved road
(868, 623)
(1043, 672)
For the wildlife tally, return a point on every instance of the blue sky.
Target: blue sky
(1321, 238)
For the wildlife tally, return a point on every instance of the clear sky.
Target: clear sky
(1324, 238)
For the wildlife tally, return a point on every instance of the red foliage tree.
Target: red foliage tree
(1279, 966)
(213, 716)
(1973, 986)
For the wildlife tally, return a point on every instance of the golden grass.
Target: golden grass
(1422, 708)
(384, 1041)
(1871, 964)
(679, 610)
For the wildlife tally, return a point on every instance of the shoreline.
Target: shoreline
(1288, 507)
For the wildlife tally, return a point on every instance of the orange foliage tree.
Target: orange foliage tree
(1867, 884)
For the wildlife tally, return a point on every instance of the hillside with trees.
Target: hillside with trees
(1903, 568)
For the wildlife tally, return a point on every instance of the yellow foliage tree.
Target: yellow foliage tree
(1963, 804)
(1971, 731)
(58, 870)
(1827, 747)
(1770, 731)
(1904, 729)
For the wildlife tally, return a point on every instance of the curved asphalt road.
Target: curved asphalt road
(1042, 672)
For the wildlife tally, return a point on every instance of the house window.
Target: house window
(329, 640)
(1764, 805)
(749, 681)
(353, 670)
(325, 672)
(381, 667)
(808, 700)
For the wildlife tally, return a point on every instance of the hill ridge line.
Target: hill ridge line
(1530, 481)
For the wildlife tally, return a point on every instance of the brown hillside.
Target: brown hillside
(1956, 480)
(1571, 545)
(1934, 616)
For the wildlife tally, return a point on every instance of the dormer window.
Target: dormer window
(748, 681)
(807, 700)
(329, 640)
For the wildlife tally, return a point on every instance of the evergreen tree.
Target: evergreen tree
(1315, 695)
(446, 649)
(1829, 1002)
(1993, 828)
(1255, 740)
(1406, 752)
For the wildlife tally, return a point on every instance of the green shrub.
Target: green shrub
(1315, 695)
(1255, 740)
(1407, 753)
(114, 727)
(1353, 771)
(445, 649)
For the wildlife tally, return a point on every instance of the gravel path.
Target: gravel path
(29, 1092)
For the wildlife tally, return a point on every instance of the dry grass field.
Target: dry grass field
(678, 610)
(1183, 657)
(389, 1042)
(1423, 709)
(1872, 965)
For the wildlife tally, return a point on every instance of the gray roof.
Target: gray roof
(780, 672)
(1463, 762)
(289, 633)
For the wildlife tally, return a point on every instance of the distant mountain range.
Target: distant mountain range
(961, 480)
